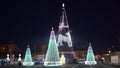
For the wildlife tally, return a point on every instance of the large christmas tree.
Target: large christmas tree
(28, 58)
(64, 37)
(90, 56)
(52, 55)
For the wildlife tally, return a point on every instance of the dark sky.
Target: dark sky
(30, 21)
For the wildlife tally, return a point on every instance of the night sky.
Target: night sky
(30, 21)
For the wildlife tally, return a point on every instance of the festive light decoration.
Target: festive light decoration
(8, 58)
(64, 37)
(90, 56)
(52, 55)
(62, 59)
(28, 58)
(19, 59)
(63, 32)
(63, 5)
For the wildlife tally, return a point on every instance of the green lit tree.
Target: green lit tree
(28, 58)
(90, 56)
(52, 56)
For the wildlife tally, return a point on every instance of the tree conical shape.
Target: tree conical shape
(90, 56)
(28, 58)
(63, 31)
(52, 55)
(64, 38)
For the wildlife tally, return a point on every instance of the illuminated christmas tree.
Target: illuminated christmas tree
(90, 56)
(64, 39)
(52, 55)
(28, 58)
